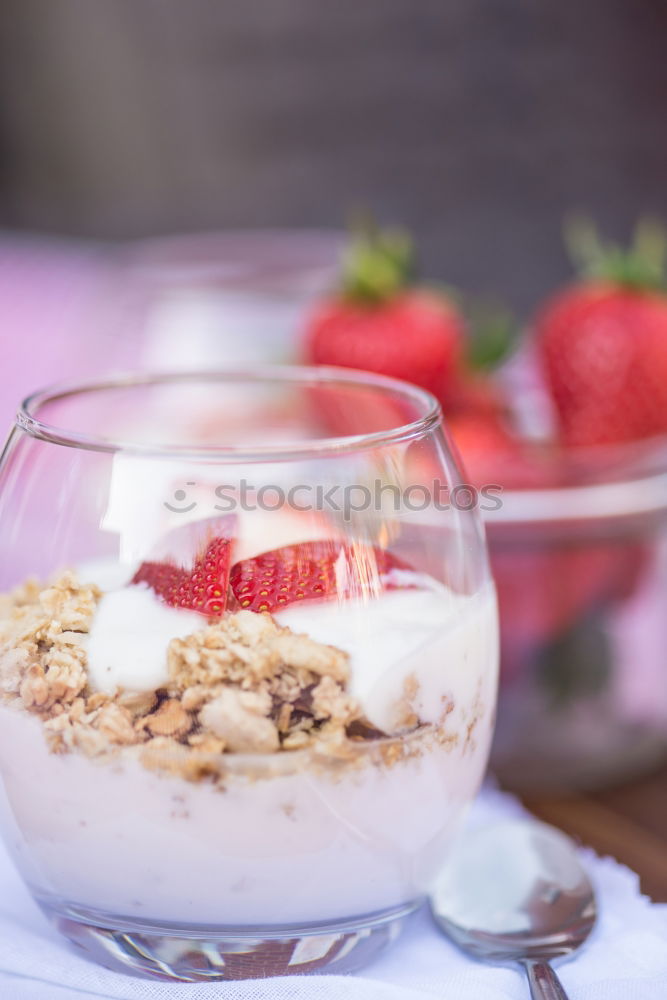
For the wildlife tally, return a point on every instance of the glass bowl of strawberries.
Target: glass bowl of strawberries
(579, 546)
(564, 443)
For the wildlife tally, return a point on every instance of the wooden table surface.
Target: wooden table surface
(628, 822)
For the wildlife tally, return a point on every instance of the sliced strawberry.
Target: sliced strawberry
(317, 570)
(202, 587)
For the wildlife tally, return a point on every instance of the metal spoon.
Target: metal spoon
(515, 892)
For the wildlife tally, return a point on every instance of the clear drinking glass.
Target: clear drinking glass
(248, 664)
(206, 300)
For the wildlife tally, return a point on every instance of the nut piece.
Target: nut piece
(331, 702)
(283, 719)
(116, 723)
(34, 690)
(171, 719)
(14, 662)
(91, 741)
(303, 653)
(136, 702)
(96, 701)
(193, 698)
(206, 743)
(240, 719)
(167, 756)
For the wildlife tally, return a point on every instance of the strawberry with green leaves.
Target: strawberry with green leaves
(603, 342)
(381, 321)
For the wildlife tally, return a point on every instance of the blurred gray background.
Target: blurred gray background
(478, 123)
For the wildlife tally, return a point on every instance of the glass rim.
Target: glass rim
(28, 421)
(191, 254)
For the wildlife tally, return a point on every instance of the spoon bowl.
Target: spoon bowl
(516, 892)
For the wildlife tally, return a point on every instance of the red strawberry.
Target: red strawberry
(381, 323)
(603, 344)
(311, 571)
(201, 588)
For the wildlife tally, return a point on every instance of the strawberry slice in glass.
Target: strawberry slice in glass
(315, 570)
(191, 569)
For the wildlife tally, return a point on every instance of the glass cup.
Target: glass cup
(248, 665)
(202, 301)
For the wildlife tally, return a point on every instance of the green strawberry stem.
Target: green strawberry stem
(493, 334)
(380, 263)
(377, 265)
(641, 266)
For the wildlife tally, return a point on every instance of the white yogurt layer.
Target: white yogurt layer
(294, 848)
(127, 645)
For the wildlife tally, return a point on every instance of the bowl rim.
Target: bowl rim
(632, 483)
(596, 502)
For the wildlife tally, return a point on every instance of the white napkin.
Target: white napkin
(625, 959)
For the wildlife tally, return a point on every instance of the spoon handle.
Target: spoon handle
(544, 983)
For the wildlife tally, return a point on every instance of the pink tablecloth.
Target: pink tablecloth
(56, 316)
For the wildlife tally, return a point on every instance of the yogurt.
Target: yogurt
(127, 645)
(424, 635)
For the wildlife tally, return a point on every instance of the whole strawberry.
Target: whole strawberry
(603, 343)
(381, 322)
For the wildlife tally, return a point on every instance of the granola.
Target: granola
(241, 684)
